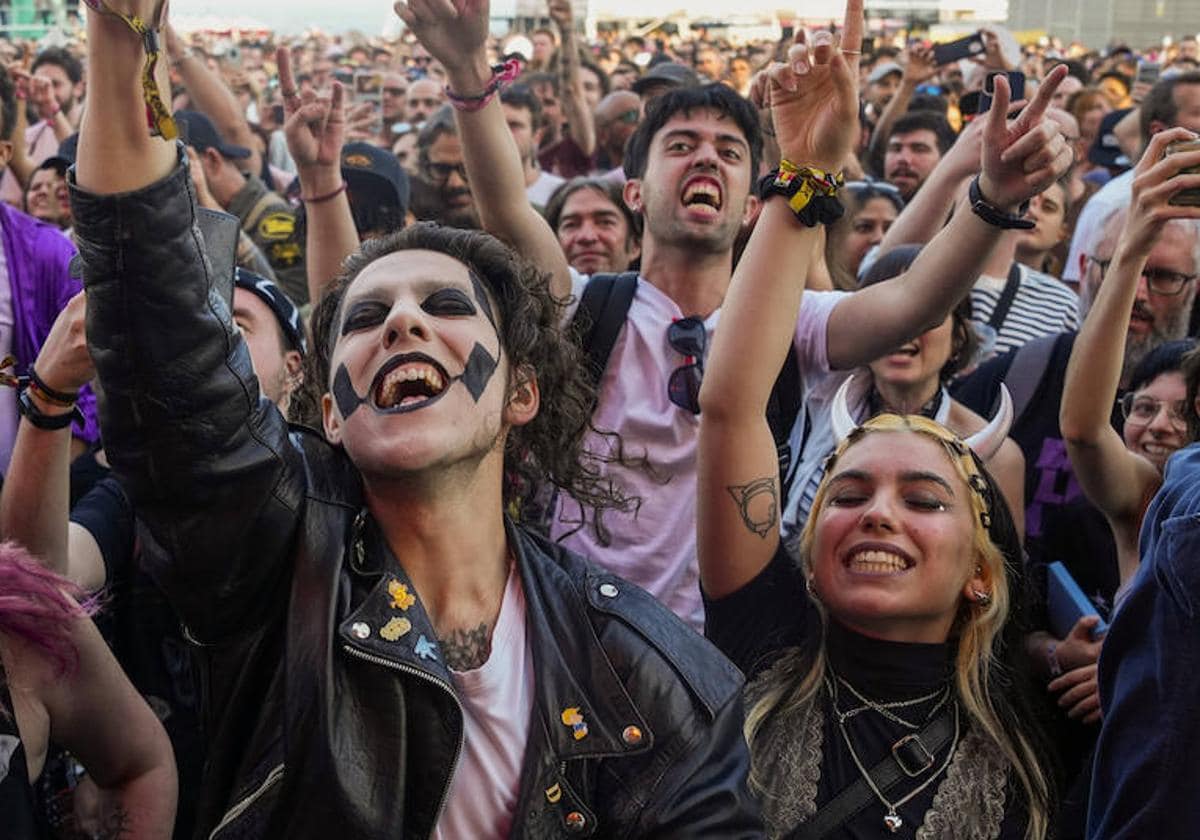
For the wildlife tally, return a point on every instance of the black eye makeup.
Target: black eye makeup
(363, 315)
(447, 302)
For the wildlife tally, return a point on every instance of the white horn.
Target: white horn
(986, 442)
(839, 412)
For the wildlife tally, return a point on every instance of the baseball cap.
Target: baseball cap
(198, 131)
(884, 70)
(667, 73)
(64, 158)
(1106, 151)
(368, 167)
(280, 304)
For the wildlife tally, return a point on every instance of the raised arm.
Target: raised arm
(814, 102)
(206, 463)
(1116, 480)
(919, 68)
(314, 129)
(35, 499)
(1019, 160)
(580, 123)
(455, 33)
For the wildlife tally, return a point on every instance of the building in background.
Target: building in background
(1099, 23)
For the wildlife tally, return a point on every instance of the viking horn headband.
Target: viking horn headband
(985, 443)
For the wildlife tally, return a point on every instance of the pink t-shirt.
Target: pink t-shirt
(497, 700)
(655, 546)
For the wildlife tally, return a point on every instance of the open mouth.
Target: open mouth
(908, 350)
(702, 192)
(877, 561)
(408, 382)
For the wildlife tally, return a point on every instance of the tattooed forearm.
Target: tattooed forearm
(758, 503)
(116, 825)
(466, 650)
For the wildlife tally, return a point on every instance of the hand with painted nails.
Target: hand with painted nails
(1157, 179)
(314, 125)
(1022, 157)
(814, 96)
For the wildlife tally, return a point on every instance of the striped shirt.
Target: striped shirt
(1042, 306)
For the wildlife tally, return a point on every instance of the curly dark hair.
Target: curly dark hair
(549, 449)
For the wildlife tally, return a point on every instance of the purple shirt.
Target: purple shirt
(38, 258)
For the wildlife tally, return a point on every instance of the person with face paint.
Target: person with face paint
(692, 164)
(372, 626)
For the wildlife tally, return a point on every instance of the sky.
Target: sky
(368, 16)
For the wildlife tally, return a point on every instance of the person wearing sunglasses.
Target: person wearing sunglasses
(871, 207)
(617, 117)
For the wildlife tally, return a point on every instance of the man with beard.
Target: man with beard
(1054, 500)
(447, 198)
(691, 165)
(523, 113)
(916, 144)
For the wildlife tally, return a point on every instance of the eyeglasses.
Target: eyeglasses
(441, 172)
(1141, 410)
(628, 117)
(689, 337)
(1158, 280)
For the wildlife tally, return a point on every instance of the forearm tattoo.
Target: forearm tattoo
(466, 650)
(758, 503)
(116, 825)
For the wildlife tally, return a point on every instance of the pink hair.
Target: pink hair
(36, 606)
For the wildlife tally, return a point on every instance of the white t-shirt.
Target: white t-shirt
(1090, 224)
(655, 546)
(497, 700)
(539, 191)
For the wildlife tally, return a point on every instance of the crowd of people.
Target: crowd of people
(373, 464)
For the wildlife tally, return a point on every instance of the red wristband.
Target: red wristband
(317, 199)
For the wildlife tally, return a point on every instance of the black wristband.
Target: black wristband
(46, 422)
(995, 216)
(49, 393)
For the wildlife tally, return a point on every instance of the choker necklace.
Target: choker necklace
(936, 409)
(892, 821)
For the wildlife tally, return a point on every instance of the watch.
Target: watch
(995, 216)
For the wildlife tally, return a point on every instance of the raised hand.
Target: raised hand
(64, 363)
(1157, 178)
(314, 124)
(561, 13)
(814, 97)
(1022, 158)
(919, 66)
(454, 31)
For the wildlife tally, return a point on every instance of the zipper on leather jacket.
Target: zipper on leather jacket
(430, 678)
(243, 804)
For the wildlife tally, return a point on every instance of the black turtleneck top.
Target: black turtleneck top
(772, 613)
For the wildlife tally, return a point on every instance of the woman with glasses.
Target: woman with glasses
(1120, 471)
(871, 208)
(912, 379)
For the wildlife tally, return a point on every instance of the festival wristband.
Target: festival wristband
(502, 74)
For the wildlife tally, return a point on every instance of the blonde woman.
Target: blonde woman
(881, 666)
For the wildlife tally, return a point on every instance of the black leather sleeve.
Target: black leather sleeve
(205, 461)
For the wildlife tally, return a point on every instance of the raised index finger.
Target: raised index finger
(852, 27)
(287, 84)
(1033, 114)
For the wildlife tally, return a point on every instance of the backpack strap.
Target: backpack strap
(603, 307)
(782, 410)
(1026, 371)
(1004, 303)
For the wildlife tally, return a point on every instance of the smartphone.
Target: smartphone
(1186, 198)
(1016, 87)
(368, 87)
(967, 47)
(1147, 72)
(344, 76)
(787, 33)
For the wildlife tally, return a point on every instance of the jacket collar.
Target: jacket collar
(580, 700)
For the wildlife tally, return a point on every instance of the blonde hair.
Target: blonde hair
(796, 678)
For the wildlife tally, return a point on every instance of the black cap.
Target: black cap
(198, 131)
(280, 304)
(667, 73)
(1106, 151)
(368, 167)
(64, 158)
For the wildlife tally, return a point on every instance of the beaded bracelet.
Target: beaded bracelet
(502, 74)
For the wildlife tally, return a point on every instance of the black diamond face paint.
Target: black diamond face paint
(478, 372)
(482, 299)
(343, 393)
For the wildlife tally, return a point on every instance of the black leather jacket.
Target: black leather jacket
(319, 727)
